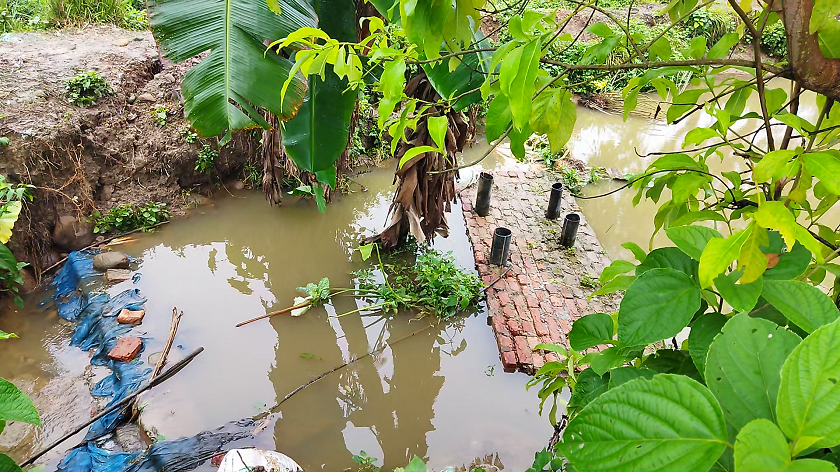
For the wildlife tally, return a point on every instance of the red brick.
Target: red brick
(505, 343)
(509, 361)
(540, 327)
(504, 298)
(551, 357)
(126, 349)
(556, 301)
(527, 327)
(521, 306)
(547, 307)
(499, 326)
(513, 286)
(509, 311)
(540, 266)
(487, 279)
(537, 254)
(513, 326)
(553, 328)
(542, 295)
(480, 258)
(523, 351)
(127, 316)
(538, 362)
(532, 302)
(582, 305)
(523, 279)
(564, 325)
(494, 305)
(551, 288)
(565, 291)
(571, 306)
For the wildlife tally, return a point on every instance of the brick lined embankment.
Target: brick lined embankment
(541, 295)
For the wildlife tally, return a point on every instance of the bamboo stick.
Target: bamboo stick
(284, 310)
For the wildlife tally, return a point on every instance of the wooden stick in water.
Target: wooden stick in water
(284, 310)
(176, 319)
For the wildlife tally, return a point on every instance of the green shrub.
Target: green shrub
(206, 159)
(86, 88)
(22, 15)
(136, 20)
(708, 23)
(128, 217)
(774, 40)
(79, 12)
(159, 114)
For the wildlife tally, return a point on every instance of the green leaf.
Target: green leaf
(761, 447)
(224, 91)
(808, 405)
(15, 405)
(718, 255)
(772, 166)
(668, 258)
(658, 305)
(791, 264)
(554, 115)
(416, 465)
(8, 465)
(703, 332)
(741, 297)
(692, 239)
(617, 267)
(589, 386)
(5, 335)
(723, 46)
(825, 167)
(591, 330)
(697, 135)
(498, 118)
(618, 283)
(414, 152)
(317, 136)
(603, 361)
(775, 215)
(366, 250)
(752, 258)
(437, 126)
(516, 78)
(803, 304)
(743, 366)
(638, 252)
(621, 375)
(464, 78)
(11, 210)
(683, 428)
(672, 361)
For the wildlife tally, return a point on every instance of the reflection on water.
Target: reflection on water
(439, 394)
(608, 141)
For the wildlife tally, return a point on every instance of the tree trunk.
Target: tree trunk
(808, 65)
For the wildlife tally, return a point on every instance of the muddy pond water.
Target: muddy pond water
(439, 394)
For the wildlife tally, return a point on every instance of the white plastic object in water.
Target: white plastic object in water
(243, 460)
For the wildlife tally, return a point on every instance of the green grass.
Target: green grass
(34, 15)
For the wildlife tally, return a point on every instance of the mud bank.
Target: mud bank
(87, 159)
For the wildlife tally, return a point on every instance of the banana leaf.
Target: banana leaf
(316, 137)
(226, 89)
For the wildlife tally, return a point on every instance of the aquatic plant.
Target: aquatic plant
(128, 217)
(86, 88)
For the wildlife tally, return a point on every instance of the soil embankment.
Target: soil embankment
(87, 159)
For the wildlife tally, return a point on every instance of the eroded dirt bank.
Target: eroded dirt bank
(87, 159)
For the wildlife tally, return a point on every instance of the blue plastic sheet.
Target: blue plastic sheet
(98, 330)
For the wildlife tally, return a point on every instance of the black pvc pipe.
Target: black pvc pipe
(554, 201)
(482, 199)
(570, 227)
(500, 250)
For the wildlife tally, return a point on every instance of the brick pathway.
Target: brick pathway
(540, 297)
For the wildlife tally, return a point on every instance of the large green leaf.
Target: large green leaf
(668, 423)
(15, 405)
(703, 332)
(316, 137)
(224, 91)
(719, 254)
(8, 465)
(591, 330)
(743, 367)
(803, 304)
(554, 115)
(672, 361)
(668, 257)
(761, 447)
(621, 375)
(808, 405)
(658, 305)
(692, 239)
(8, 217)
(589, 386)
(741, 297)
(467, 77)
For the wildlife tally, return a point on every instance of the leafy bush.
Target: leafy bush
(77, 12)
(136, 20)
(206, 159)
(11, 198)
(437, 285)
(711, 24)
(86, 88)
(774, 40)
(22, 15)
(128, 217)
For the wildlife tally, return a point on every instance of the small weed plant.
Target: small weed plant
(86, 88)
(12, 197)
(129, 217)
(589, 281)
(206, 160)
(253, 174)
(159, 114)
(189, 135)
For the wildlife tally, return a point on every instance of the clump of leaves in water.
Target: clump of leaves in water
(129, 217)
(318, 293)
(86, 88)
